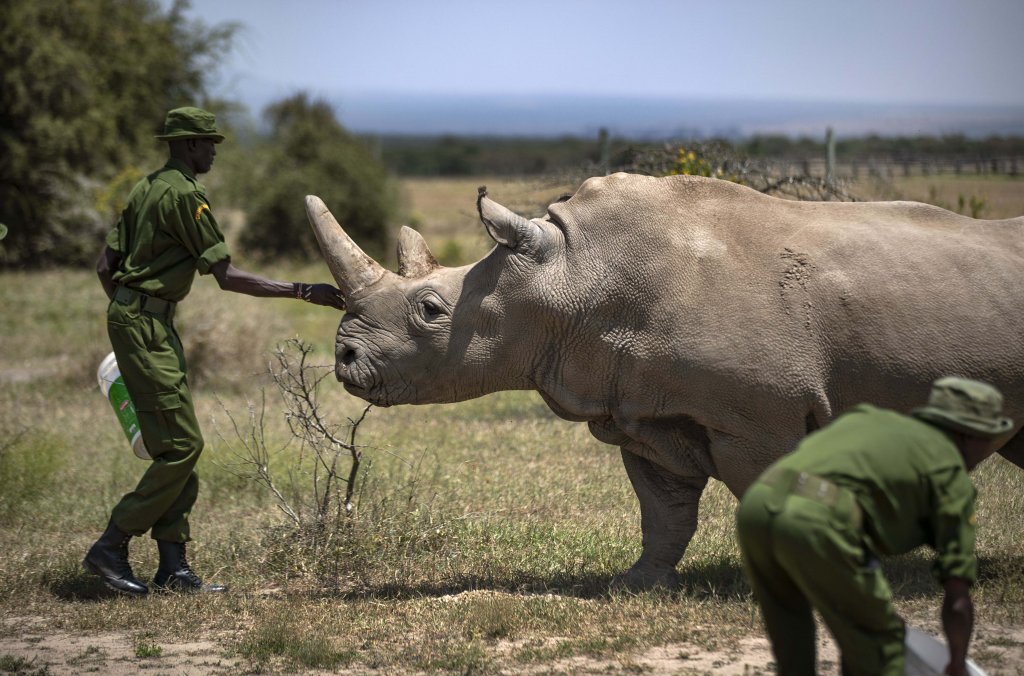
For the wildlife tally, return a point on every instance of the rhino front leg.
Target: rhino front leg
(668, 519)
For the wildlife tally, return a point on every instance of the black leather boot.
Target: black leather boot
(108, 558)
(174, 573)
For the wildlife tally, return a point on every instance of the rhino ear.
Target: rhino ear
(414, 257)
(503, 225)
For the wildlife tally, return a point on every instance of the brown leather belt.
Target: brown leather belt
(151, 305)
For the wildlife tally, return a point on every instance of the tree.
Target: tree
(310, 152)
(85, 86)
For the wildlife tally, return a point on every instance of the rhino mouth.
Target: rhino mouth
(357, 381)
(355, 371)
(368, 393)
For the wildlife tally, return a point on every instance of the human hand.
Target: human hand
(323, 294)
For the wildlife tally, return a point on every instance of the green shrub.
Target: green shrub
(309, 152)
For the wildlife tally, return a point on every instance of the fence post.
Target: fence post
(603, 150)
(830, 157)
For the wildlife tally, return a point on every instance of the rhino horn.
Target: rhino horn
(414, 257)
(503, 225)
(351, 267)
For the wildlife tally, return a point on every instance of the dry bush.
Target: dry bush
(720, 160)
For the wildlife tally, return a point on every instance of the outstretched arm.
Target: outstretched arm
(957, 623)
(231, 278)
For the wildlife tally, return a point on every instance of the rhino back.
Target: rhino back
(702, 290)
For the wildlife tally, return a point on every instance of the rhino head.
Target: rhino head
(431, 333)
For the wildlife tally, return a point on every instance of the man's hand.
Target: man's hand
(106, 266)
(323, 294)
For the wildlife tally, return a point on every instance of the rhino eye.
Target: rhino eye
(430, 309)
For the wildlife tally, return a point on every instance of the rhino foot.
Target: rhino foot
(645, 578)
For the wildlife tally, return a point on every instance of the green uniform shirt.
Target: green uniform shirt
(909, 479)
(166, 233)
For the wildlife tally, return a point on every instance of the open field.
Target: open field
(484, 538)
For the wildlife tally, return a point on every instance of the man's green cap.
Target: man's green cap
(967, 406)
(189, 122)
(3, 230)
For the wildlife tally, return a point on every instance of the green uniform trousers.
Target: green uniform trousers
(802, 547)
(151, 359)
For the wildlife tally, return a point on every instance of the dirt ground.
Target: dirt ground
(1000, 651)
(109, 653)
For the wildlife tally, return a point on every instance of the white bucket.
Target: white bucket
(928, 656)
(113, 388)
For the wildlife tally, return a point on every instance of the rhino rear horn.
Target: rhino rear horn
(351, 267)
(414, 257)
(503, 225)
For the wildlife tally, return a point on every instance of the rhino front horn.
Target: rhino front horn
(351, 267)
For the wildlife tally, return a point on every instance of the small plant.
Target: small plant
(148, 650)
(976, 205)
(689, 163)
(9, 664)
(278, 637)
(298, 383)
(319, 512)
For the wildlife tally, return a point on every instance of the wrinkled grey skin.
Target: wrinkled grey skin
(702, 327)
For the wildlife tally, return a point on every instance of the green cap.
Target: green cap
(3, 230)
(967, 406)
(189, 122)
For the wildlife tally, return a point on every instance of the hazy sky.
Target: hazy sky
(885, 51)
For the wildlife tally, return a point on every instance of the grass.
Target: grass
(486, 535)
(997, 196)
(9, 664)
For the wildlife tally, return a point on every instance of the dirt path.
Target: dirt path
(999, 650)
(114, 654)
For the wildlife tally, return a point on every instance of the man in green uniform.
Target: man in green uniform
(872, 482)
(165, 235)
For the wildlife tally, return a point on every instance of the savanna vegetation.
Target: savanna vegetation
(86, 86)
(483, 535)
(476, 537)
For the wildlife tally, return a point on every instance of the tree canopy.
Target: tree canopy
(85, 84)
(309, 152)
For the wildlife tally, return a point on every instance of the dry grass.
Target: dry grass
(485, 537)
(1002, 196)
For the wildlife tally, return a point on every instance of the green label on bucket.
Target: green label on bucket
(124, 408)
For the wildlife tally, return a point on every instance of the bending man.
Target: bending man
(872, 482)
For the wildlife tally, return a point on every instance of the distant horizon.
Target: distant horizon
(660, 117)
(826, 62)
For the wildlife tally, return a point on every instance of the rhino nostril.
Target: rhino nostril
(348, 356)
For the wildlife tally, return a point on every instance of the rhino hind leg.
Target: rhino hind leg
(668, 520)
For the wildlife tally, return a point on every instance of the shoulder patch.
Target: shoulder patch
(973, 519)
(200, 209)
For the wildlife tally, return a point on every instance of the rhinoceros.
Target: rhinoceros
(699, 325)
